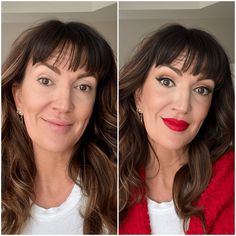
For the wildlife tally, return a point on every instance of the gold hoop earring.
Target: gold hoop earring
(140, 114)
(20, 115)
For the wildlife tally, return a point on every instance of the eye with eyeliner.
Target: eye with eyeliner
(165, 81)
(169, 83)
(203, 90)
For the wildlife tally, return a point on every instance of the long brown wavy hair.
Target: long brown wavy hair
(206, 57)
(94, 158)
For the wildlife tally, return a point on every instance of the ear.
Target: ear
(17, 95)
(138, 98)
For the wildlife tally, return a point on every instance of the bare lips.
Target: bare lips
(176, 125)
(58, 124)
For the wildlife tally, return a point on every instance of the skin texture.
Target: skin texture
(57, 104)
(170, 93)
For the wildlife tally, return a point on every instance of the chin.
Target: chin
(56, 147)
(174, 147)
(171, 144)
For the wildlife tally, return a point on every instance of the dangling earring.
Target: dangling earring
(20, 115)
(140, 114)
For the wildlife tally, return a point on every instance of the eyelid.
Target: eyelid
(209, 90)
(88, 87)
(162, 78)
(89, 80)
(45, 78)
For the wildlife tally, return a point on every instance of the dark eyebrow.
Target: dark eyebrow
(57, 71)
(180, 73)
(86, 74)
(53, 68)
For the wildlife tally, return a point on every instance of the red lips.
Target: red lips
(176, 125)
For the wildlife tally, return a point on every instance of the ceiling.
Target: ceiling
(23, 12)
(176, 10)
(158, 5)
(104, 11)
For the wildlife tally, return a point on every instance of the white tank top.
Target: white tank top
(64, 219)
(163, 218)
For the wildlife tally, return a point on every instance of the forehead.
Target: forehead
(180, 64)
(180, 60)
(45, 68)
(67, 55)
(62, 60)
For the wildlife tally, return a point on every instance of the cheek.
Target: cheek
(33, 107)
(84, 108)
(201, 110)
(32, 101)
(156, 102)
(154, 108)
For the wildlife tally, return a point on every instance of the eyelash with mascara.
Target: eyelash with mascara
(168, 83)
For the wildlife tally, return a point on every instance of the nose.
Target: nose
(63, 100)
(182, 101)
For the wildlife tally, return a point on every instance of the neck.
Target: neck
(51, 166)
(161, 170)
(52, 182)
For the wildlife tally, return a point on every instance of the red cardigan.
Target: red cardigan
(217, 201)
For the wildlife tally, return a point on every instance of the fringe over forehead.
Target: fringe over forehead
(201, 52)
(83, 46)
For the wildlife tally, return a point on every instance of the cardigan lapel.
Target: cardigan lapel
(137, 221)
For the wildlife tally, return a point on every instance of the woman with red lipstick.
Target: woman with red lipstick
(59, 132)
(176, 136)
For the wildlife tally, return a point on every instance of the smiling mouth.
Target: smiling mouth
(57, 125)
(57, 122)
(176, 125)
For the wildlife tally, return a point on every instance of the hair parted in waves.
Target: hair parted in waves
(204, 54)
(95, 155)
